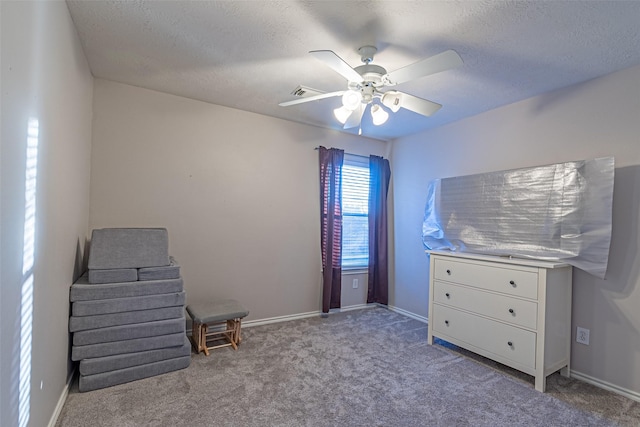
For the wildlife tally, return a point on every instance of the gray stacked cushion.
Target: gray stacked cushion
(128, 326)
(113, 275)
(82, 323)
(119, 305)
(172, 271)
(82, 290)
(121, 361)
(121, 376)
(122, 248)
(79, 352)
(129, 332)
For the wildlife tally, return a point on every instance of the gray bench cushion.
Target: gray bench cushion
(119, 305)
(172, 271)
(79, 352)
(128, 248)
(216, 311)
(122, 361)
(121, 376)
(128, 332)
(113, 275)
(84, 291)
(82, 323)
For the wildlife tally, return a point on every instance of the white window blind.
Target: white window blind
(355, 212)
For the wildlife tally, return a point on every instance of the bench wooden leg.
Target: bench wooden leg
(203, 339)
(199, 337)
(231, 335)
(200, 331)
(238, 331)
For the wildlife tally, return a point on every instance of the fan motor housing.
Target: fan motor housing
(371, 73)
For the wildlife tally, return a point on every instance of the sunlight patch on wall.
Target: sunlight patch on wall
(28, 256)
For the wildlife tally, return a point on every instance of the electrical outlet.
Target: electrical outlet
(582, 335)
(355, 283)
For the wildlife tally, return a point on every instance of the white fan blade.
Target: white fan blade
(355, 118)
(337, 64)
(432, 65)
(311, 98)
(419, 105)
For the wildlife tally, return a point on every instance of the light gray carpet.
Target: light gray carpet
(370, 367)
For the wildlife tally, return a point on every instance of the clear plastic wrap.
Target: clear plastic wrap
(558, 212)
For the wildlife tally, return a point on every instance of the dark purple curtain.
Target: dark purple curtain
(380, 174)
(331, 225)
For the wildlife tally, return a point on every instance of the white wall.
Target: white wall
(44, 77)
(351, 296)
(594, 119)
(237, 191)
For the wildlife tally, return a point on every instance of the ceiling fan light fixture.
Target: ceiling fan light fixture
(392, 100)
(367, 82)
(351, 99)
(378, 115)
(342, 114)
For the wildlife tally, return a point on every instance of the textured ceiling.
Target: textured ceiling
(250, 55)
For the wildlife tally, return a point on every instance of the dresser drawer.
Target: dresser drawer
(508, 342)
(519, 312)
(500, 279)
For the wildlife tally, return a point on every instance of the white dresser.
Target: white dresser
(514, 311)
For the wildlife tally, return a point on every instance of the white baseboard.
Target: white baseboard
(287, 318)
(269, 320)
(61, 400)
(409, 314)
(352, 307)
(278, 319)
(633, 395)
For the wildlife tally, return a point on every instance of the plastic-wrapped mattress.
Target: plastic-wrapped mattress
(558, 212)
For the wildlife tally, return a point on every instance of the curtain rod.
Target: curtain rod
(351, 154)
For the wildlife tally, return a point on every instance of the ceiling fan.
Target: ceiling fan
(365, 83)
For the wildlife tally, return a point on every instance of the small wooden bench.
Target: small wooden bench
(215, 321)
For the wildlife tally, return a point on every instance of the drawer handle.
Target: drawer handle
(510, 344)
(511, 311)
(447, 295)
(446, 322)
(449, 272)
(512, 283)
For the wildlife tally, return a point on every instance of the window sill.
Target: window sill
(355, 270)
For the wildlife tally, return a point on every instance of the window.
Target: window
(355, 212)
